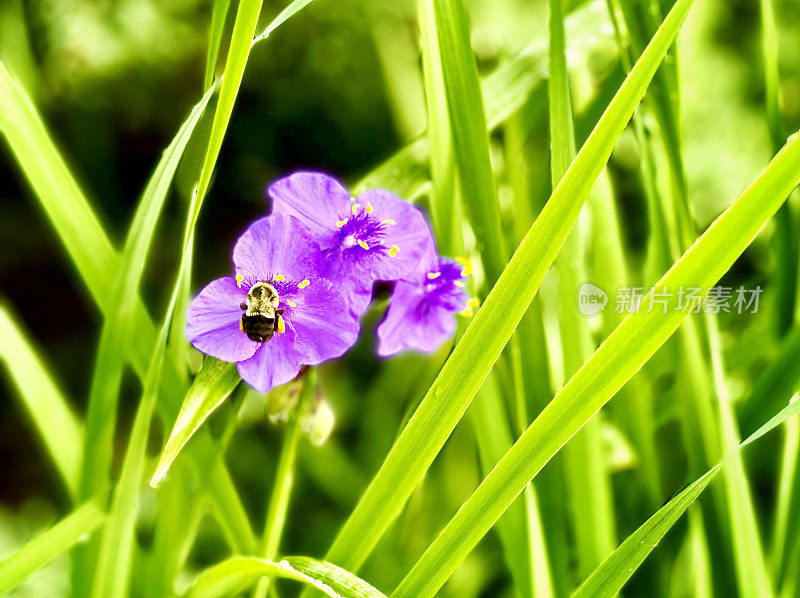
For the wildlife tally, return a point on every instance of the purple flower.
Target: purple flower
(421, 314)
(278, 313)
(378, 236)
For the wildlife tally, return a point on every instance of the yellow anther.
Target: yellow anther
(281, 326)
(363, 245)
(474, 302)
(389, 221)
(303, 284)
(239, 279)
(467, 266)
(393, 251)
(355, 208)
(369, 208)
(466, 313)
(434, 275)
(291, 303)
(278, 277)
(241, 324)
(460, 284)
(341, 223)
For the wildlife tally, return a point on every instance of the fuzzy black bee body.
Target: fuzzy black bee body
(262, 317)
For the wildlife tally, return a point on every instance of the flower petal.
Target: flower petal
(317, 199)
(407, 230)
(276, 362)
(324, 325)
(412, 322)
(277, 244)
(213, 322)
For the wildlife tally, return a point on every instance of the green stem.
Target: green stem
(284, 480)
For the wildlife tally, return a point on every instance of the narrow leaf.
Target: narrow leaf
(57, 425)
(213, 384)
(44, 548)
(238, 573)
(609, 578)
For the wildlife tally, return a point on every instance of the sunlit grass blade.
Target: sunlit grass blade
(238, 573)
(473, 357)
(588, 486)
(45, 547)
(98, 265)
(286, 14)
(118, 325)
(787, 509)
(617, 359)
(609, 578)
(213, 384)
(219, 14)
(59, 429)
(443, 199)
(110, 576)
(243, 29)
(469, 131)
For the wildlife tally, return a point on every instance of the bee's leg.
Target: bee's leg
(280, 326)
(280, 310)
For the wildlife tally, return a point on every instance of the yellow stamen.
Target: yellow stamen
(239, 279)
(291, 303)
(466, 313)
(434, 275)
(460, 284)
(341, 223)
(241, 324)
(363, 245)
(355, 208)
(278, 277)
(389, 221)
(303, 284)
(474, 302)
(281, 327)
(369, 208)
(393, 251)
(467, 266)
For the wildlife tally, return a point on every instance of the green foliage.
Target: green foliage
(496, 169)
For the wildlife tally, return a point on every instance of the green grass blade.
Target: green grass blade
(286, 14)
(588, 486)
(751, 566)
(617, 359)
(443, 198)
(98, 265)
(238, 573)
(243, 29)
(213, 384)
(58, 191)
(45, 547)
(343, 582)
(118, 325)
(473, 357)
(609, 578)
(469, 131)
(219, 14)
(110, 576)
(59, 429)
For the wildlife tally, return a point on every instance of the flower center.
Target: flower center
(363, 229)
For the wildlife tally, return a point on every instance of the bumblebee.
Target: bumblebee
(262, 316)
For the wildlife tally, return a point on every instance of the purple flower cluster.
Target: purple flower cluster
(304, 275)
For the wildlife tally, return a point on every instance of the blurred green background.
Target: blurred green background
(339, 89)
